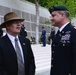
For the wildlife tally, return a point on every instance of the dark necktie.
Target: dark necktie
(58, 32)
(57, 36)
(19, 59)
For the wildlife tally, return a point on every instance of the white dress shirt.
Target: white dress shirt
(63, 27)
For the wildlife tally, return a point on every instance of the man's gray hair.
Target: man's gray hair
(67, 13)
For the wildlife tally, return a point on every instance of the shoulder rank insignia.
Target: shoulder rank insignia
(75, 27)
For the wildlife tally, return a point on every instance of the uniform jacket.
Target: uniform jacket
(64, 52)
(44, 37)
(43, 33)
(8, 58)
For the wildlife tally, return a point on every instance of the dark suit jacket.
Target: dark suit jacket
(8, 58)
(64, 52)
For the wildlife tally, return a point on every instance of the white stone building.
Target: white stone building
(27, 11)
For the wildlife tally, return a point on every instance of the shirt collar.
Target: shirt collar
(12, 38)
(63, 27)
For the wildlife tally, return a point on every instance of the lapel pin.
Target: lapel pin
(62, 31)
(23, 43)
(63, 44)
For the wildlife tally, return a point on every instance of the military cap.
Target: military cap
(58, 8)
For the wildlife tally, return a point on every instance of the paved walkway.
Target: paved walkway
(42, 58)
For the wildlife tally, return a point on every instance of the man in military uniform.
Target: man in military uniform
(63, 61)
(43, 35)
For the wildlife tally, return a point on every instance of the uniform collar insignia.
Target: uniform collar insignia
(23, 43)
(67, 32)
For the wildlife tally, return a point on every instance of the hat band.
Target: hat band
(13, 18)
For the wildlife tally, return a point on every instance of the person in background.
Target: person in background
(23, 33)
(52, 34)
(16, 56)
(1, 32)
(63, 61)
(43, 36)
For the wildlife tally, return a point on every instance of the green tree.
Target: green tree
(71, 5)
(37, 18)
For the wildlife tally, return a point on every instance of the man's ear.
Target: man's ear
(63, 14)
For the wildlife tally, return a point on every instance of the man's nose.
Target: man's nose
(51, 18)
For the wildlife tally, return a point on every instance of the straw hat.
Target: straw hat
(11, 16)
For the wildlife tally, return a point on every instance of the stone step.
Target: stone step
(42, 57)
(43, 72)
(42, 61)
(42, 65)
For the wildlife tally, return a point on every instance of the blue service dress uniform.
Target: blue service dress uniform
(43, 37)
(63, 61)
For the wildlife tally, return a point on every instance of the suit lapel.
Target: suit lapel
(10, 46)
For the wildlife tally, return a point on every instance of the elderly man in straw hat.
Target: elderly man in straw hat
(16, 56)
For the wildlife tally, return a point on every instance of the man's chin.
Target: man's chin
(17, 32)
(53, 24)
